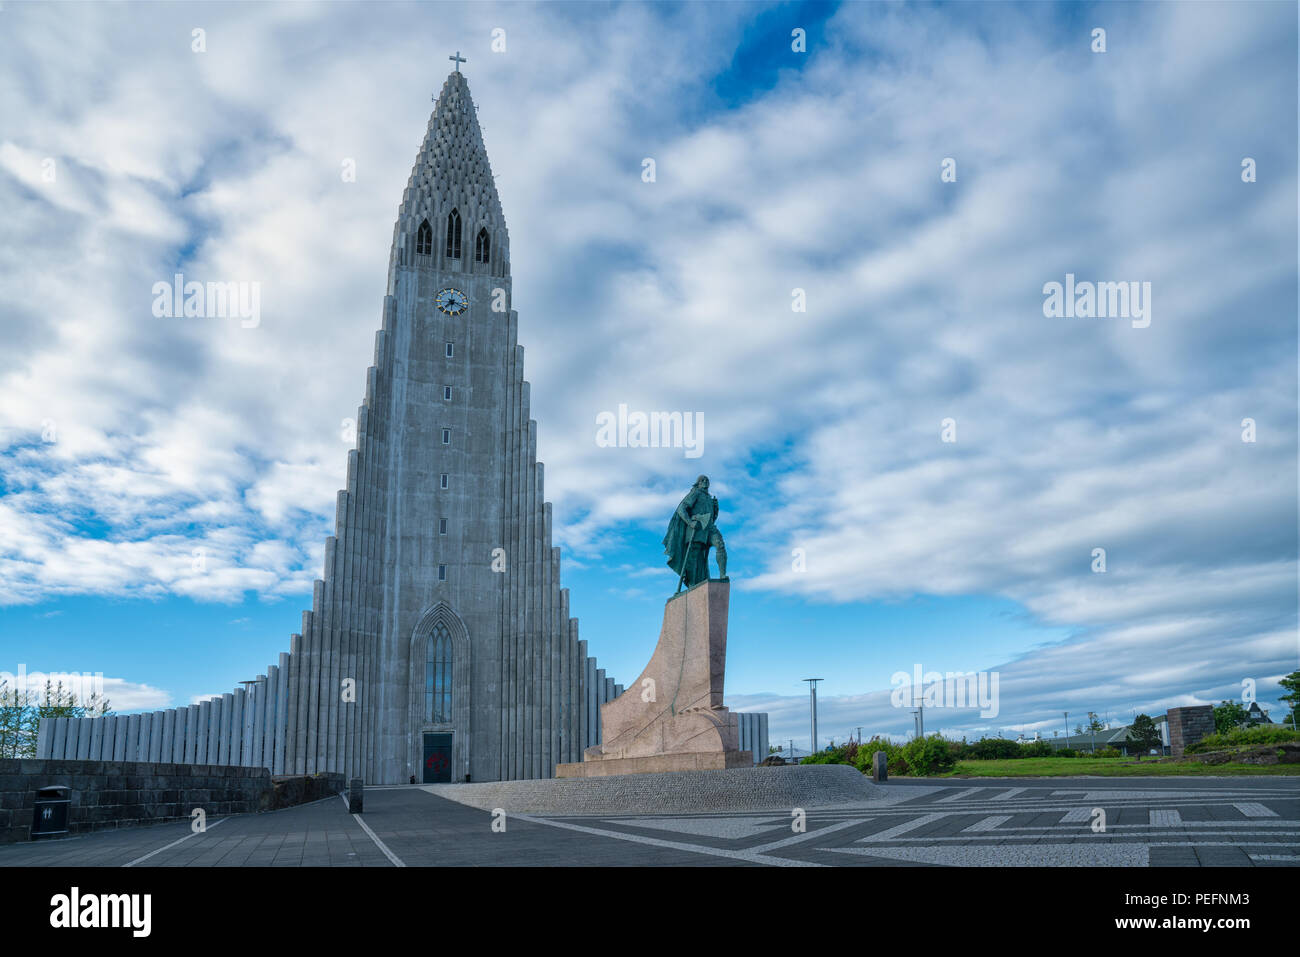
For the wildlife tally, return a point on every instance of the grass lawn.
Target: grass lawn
(1105, 767)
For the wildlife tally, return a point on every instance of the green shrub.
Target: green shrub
(821, 757)
(844, 754)
(1036, 749)
(927, 756)
(894, 760)
(960, 750)
(995, 749)
(1244, 737)
(1066, 753)
(1108, 753)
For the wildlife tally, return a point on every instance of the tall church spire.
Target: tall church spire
(452, 172)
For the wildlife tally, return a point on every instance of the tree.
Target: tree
(21, 714)
(1143, 734)
(1078, 730)
(1229, 716)
(1094, 723)
(1292, 684)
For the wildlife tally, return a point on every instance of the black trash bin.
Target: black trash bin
(50, 812)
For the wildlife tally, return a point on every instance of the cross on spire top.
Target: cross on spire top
(459, 60)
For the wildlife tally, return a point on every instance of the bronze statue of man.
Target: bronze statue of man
(691, 532)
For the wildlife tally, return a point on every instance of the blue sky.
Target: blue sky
(775, 170)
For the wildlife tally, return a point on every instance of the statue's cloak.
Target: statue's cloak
(680, 535)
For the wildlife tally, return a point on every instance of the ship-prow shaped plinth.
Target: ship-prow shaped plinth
(671, 718)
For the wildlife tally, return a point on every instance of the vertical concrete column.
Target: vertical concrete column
(518, 561)
(132, 743)
(246, 756)
(593, 704)
(529, 522)
(193, 735)
(281, 714)
(292, 749)
(44, 739)
(262, 694)
(763, 742)
(547, 672)
(334, 549)
(98, 731)
(227, 744)
(340, 631)
(216, 717)
(580, 699)
(178, 735)
(139, 751)
(120, 727)
(84, 731)
(207, 739)
(155, 736)
(311, 671)
(559, 634)
(167, 743)
(58, 737)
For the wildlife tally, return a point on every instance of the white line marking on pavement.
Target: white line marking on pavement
(177, 841)
(752, 855)
(797, 838)
(1076, 815)
(1008, 795)
(959, 795)
(1254, 809)
(889, 833)
(397, 861)
(1166, 819)
(989, 823)
(1275, 857)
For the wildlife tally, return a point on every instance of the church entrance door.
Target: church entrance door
(437, 758)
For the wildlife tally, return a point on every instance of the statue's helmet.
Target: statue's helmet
(702, 480)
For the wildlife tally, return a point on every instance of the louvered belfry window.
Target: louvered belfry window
(481, 246)
(453, 235)
(424, 240)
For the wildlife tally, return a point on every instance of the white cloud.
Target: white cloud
(924, 301)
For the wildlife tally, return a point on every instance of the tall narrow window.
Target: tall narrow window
(437, 677)
(446, 436)
(442, 480)
(446, 392)
(453, 235)
(442, 526)
(481, 246)
(424, 240)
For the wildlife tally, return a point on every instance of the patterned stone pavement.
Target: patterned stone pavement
(1130, 822)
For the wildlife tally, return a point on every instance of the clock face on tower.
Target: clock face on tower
(451, 301)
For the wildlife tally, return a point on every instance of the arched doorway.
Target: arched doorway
(440, 692)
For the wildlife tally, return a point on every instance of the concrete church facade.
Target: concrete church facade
(439, 643)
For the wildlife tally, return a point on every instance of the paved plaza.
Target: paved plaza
(1008, 822)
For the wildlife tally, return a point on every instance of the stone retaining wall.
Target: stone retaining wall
(111, 794)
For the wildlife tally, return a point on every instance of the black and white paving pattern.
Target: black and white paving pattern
(1070, 822)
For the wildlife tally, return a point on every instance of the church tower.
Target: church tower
(439, 645)
(441, 594)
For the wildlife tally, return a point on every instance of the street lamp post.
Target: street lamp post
(812, 704)
(1067, 731)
